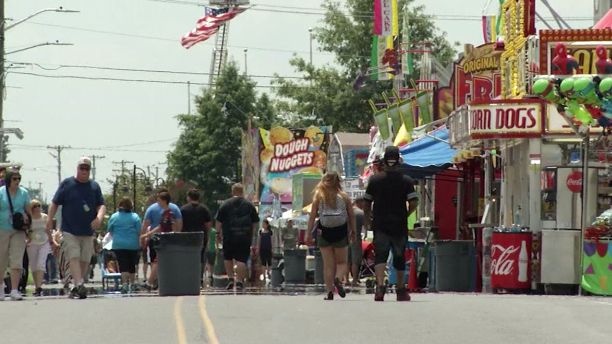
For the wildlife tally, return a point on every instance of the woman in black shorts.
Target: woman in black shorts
(124, 226)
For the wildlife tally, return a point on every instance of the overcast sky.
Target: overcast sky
(135, 121)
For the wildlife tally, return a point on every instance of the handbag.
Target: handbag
(18, 219)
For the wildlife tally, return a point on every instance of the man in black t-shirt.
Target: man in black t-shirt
(390, 190)
(196, 218)
(237, 220)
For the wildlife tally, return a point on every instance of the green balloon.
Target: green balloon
(581, 83)
(605, 85)
(539, 86)
(567, 85)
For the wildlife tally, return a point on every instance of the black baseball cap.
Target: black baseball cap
(392, 156)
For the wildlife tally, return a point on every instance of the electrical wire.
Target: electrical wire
(128, 80)
(123, 69)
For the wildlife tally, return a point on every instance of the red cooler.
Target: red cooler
(511, 260)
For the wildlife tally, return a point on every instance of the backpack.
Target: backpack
(333, 217)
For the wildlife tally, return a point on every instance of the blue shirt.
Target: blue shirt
(80, 202)
(125, 229)
(154, 213)
(20, 201)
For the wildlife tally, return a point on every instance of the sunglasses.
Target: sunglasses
(36, 206)
(16, 178)
(84, 168)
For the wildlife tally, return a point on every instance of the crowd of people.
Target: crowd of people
(337, 222)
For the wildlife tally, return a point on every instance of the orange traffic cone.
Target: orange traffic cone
(413, 281)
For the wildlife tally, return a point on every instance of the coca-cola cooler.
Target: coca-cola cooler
(510, 260)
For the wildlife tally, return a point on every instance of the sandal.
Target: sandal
(330, 296)
(339, 288)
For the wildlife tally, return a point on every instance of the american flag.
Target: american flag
(209, 24)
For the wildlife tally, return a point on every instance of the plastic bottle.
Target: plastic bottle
(517, 215)
(522, 262)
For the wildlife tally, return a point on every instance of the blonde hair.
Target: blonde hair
(328, 189)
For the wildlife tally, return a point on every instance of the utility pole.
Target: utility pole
(57, 156)
(2, 78)
(93, 162)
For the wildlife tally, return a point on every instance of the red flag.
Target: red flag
(209, 24)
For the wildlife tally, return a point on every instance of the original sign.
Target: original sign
(508, 120)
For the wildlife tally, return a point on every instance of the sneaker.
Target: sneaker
(239, 286)
(38, 292)
(125, 289)
(74, 293)
(15, 295)
(379, 294)
(402, 294)
(82, 292)
(339, 288)
(329, 297)
(230, 285)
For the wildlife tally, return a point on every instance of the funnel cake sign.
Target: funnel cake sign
(509, 119)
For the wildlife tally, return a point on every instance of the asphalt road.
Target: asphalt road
(443, 318)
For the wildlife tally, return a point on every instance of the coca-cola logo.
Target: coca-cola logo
(503, 264)
(574, 181)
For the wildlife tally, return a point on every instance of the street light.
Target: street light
(311, 37)
(3, 29)
(36, 46)
(59, 9)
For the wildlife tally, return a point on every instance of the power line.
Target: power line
(124, 69)
(358, 14)
(127, 80)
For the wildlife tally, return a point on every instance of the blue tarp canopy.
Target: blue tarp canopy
(428, 155)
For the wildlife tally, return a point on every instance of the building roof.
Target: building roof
(354, 139)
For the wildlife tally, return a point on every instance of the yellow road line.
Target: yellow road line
(208, 326)
(178, 319)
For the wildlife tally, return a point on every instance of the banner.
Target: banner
(285, 152)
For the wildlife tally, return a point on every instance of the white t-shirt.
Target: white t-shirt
(39, 231)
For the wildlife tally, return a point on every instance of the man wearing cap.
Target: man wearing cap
(390, 191)
(82, 213)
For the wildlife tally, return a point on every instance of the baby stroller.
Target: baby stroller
(366, 269)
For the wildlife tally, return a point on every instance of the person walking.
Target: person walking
(336, 228)
(389, 191)
(124, 226)
(14, 199)
(162, 216)
(236, 221)
(39, 245)
(196, 218)
(83, 211)
(264, 247)
(355, 250)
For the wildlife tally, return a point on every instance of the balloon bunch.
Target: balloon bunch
(586, 100)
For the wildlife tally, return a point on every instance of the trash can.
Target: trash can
(453, 266)
(179, 265)
(318, 273)
(295, 265)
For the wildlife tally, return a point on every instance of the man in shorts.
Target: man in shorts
(236, 221)
(391, 192)
(82, 213)
(196, 218)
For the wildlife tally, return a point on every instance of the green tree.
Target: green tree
(326, 96)
(207, 152)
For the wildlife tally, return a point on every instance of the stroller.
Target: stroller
(366, 269)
